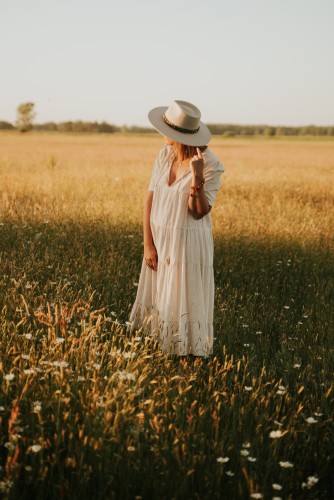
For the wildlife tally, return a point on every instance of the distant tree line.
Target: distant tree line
(79, 126)
(226, 130)
(92, 127)
(230, 130)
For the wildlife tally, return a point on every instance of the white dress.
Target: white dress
(176, 302)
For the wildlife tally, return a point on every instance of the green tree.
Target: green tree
(5, 125)
(25, 116)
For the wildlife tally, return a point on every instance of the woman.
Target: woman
(175, 295)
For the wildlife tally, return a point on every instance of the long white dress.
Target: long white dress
(176, 302)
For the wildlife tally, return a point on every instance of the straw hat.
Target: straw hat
(180, 122)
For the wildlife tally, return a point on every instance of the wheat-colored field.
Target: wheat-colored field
(88, 409)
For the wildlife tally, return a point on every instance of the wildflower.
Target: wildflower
(244, 453)
(277, 498)
(131, 448)
(100, 404)
(251, 459)
(296, 365)
(311, 420)
(25, 356)
(246, 345)
(10, 376)
(281, 387)
(2, 408)
(246, 445)
(62, 364)
(311, 481)
(280, 392)
(123, 375)
(37, 406)
(10, 446)
(286, 465)
(317, 414)
(258, 332)
(286, 307)
(28, 336)
(256, 495)
(129, 354)
(115, 353)
(137, 339)
(248, 387)
(300, 322)
(97, 366)
(223, 460)
(276, 434)
(6, 485)
(36, 448)
(29, 371)
(244, 325)
(60, 340)
(276, 486)
(229, 473)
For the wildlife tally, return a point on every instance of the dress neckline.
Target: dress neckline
(169, 171)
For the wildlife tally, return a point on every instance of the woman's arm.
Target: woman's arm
(150, 252)
(198, 204)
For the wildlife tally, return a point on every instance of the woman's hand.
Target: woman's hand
(151, 256)
(197, 165)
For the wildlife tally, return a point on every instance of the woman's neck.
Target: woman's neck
(179, 154)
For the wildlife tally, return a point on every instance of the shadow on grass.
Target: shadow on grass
(273, 309)
(270, 297)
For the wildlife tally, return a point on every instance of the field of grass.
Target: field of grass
(88, 410)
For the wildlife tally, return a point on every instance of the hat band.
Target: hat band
(179, 129)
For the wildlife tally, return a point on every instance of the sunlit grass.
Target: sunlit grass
(88, 409)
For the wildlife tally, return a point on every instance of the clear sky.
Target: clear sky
(239, 61)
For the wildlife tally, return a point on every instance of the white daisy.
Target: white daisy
(285, 465)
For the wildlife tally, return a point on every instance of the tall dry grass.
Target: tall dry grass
(89, 410)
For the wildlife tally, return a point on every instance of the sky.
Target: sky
(240, 61)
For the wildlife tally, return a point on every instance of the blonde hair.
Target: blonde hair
(185, 151)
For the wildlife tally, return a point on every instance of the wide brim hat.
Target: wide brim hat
(181, 122)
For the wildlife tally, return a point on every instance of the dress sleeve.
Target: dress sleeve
(212, 176)
(157, 167)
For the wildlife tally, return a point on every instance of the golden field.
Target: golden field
(89, 410)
